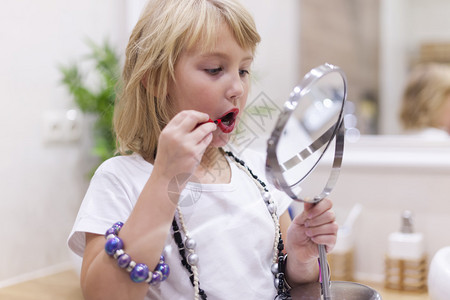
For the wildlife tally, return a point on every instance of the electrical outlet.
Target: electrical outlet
(62, 126)
(72, 126)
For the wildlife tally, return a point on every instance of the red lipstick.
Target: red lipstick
(227, 121)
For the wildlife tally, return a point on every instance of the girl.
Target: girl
(198, 222)
(425, 108)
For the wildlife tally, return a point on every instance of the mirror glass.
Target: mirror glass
(306, 129)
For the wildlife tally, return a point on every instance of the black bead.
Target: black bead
(181, 250)
(202, 294)
(175, 225)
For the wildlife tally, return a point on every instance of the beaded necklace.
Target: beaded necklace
(189, 258)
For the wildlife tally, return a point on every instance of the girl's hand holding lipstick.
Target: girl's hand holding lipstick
(182, 143)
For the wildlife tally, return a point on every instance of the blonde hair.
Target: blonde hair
(164, 30)
(426, 92)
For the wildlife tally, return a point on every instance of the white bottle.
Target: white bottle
(406, 244)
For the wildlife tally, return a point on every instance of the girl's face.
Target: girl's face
(215, 82)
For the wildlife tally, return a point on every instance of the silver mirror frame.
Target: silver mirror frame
(275, 168)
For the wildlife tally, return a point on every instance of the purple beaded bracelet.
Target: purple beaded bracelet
(138, 272)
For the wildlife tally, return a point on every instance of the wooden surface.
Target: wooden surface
(65, 286)
(61, 286)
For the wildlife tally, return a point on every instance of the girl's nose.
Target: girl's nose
(236, 87)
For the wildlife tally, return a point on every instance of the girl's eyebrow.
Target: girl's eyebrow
(223, 55)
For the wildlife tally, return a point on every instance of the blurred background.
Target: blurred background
(48, 148)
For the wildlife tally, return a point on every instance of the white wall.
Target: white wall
(275, 70)
(277, 58)
(43, 184)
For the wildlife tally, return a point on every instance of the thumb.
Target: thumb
(308, 206)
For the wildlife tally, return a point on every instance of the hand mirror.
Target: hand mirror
(311, 121)
(309, 129)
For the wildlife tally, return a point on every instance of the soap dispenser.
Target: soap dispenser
(405, 263)
(406, 244)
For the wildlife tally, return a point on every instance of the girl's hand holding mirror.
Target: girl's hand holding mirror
(314, 226)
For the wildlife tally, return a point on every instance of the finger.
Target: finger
(209, 121)
(189, 119)
(203, 144)
(312, 210)
(325, 218)
(194, 119)
(315, 209)
(202, 131)
(327, 229)
(183, 124)
(328, 240)
(324, 238)
(301, 218)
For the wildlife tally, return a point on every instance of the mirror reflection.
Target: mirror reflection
(425, 107)
(378, 44)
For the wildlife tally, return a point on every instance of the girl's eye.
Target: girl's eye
(243, 73)
(214, 71)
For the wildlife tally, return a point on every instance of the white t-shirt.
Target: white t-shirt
(230, 223)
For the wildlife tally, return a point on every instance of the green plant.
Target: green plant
(98, 99)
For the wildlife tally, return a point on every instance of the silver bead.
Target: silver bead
(274, 268)
(276, 282)
(272, 208)
(190, 243)
(150, 277)
(131, 266)
(266, 196)
(118, 253)
(192, 259)
(110, 236)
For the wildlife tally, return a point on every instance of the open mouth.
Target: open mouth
(227, 121)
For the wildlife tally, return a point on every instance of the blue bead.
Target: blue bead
(113, 244)
(119, 224)
(156, 278)
(164, 269)
(116, 229)
(139, 273)
(124, 260)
